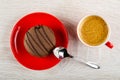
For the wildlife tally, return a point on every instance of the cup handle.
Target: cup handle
(109, 44)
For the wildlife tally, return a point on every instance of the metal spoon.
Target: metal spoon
(61, 53)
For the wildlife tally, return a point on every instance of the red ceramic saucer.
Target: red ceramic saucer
(17, 40)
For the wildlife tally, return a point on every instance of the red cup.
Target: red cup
(106, 42)
(17, 40)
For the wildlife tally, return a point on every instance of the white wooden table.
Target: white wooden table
(69, 12)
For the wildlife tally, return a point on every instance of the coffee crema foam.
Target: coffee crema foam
(93, 30)
(39, 41)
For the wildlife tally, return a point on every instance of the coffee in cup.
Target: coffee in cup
(93, 31)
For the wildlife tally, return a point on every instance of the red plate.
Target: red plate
(17, 40)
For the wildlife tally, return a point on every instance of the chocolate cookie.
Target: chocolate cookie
(39, 41)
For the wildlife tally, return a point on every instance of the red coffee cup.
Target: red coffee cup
(106, 41)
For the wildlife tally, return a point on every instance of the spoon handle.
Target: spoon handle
(92, 65)
(88, 63)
